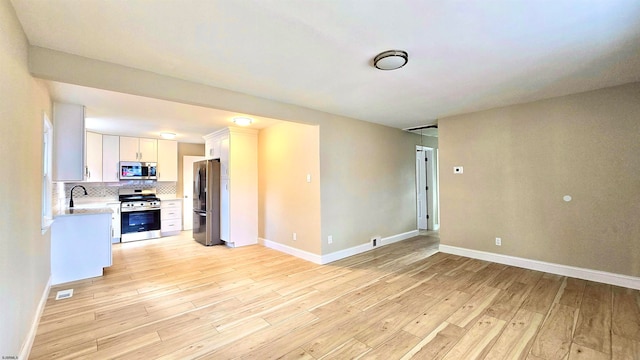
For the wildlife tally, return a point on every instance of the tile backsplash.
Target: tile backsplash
(110, 190)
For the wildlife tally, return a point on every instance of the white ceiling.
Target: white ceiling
(463, 55)
(110, 112)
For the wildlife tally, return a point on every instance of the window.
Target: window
(47, 186)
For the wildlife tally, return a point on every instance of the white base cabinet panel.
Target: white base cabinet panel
(80, 247)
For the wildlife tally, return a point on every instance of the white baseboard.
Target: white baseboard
(355, 250)
(398, 237)
(31, 335)
(314, 258)
(558, 269)
(340, 254)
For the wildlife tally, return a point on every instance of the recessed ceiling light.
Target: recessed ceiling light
(391, 59)
(242, 121)
(168, 135)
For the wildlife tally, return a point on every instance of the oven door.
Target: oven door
(140, 224)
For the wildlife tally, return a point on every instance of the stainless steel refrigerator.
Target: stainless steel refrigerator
(206, 202)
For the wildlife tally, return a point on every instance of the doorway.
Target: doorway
(426, 189)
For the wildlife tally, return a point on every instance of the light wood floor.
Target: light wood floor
(172, 298)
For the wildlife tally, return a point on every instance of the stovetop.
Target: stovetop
(138, 195)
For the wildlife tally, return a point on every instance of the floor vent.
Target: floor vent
(64, 294)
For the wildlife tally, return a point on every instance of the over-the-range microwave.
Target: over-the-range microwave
(135, 170)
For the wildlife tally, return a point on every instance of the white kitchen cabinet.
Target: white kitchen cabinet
(138, 149)
(210, 150)
(110, 158)
(68, 142)
(80, 246)
(116, 226)
(224, 210)
(93, 157)
(224, 157)
(212, 145)
(239, 185)
(148, 150)
(167, 160)
(170, 217)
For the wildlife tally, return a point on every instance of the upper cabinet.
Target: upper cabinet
(167, 160)
(138, 149)
(216, 146)
(80, 155)
(110, 158)
(68, 142)
(93, 168)
(212, 145)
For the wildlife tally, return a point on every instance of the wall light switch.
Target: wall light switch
(457, 170)
(308, 178)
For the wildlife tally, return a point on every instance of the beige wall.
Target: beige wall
(24, 251)
(519, 162)
(368, 182)
(287, 203)
(186, 149)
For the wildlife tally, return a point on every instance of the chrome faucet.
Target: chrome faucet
(71, 197)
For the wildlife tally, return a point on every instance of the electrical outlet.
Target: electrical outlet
(498, 242)
(295, 236)
(375, 241)
(330, 239)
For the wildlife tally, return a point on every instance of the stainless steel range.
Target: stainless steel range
(140, 214)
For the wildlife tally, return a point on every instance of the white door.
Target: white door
(187, 190)
(425, 186)
(421, 190)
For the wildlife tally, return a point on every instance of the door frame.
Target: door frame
(429, 198)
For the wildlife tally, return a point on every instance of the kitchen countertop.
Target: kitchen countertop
(81, 211)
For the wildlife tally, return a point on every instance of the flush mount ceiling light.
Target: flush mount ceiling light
(242, 121)
(391, 60)
(168, 135)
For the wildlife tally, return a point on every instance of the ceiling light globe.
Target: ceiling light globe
(391, 60)
(168, 135)
(242, 121)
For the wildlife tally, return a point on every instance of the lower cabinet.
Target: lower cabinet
(116, 228)
(80, 247)
(170, 217)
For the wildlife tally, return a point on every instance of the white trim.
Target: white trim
(31, 335)
(337, 255)
(345, 253)
(399, 237)
(558, 269)
(314, 258)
